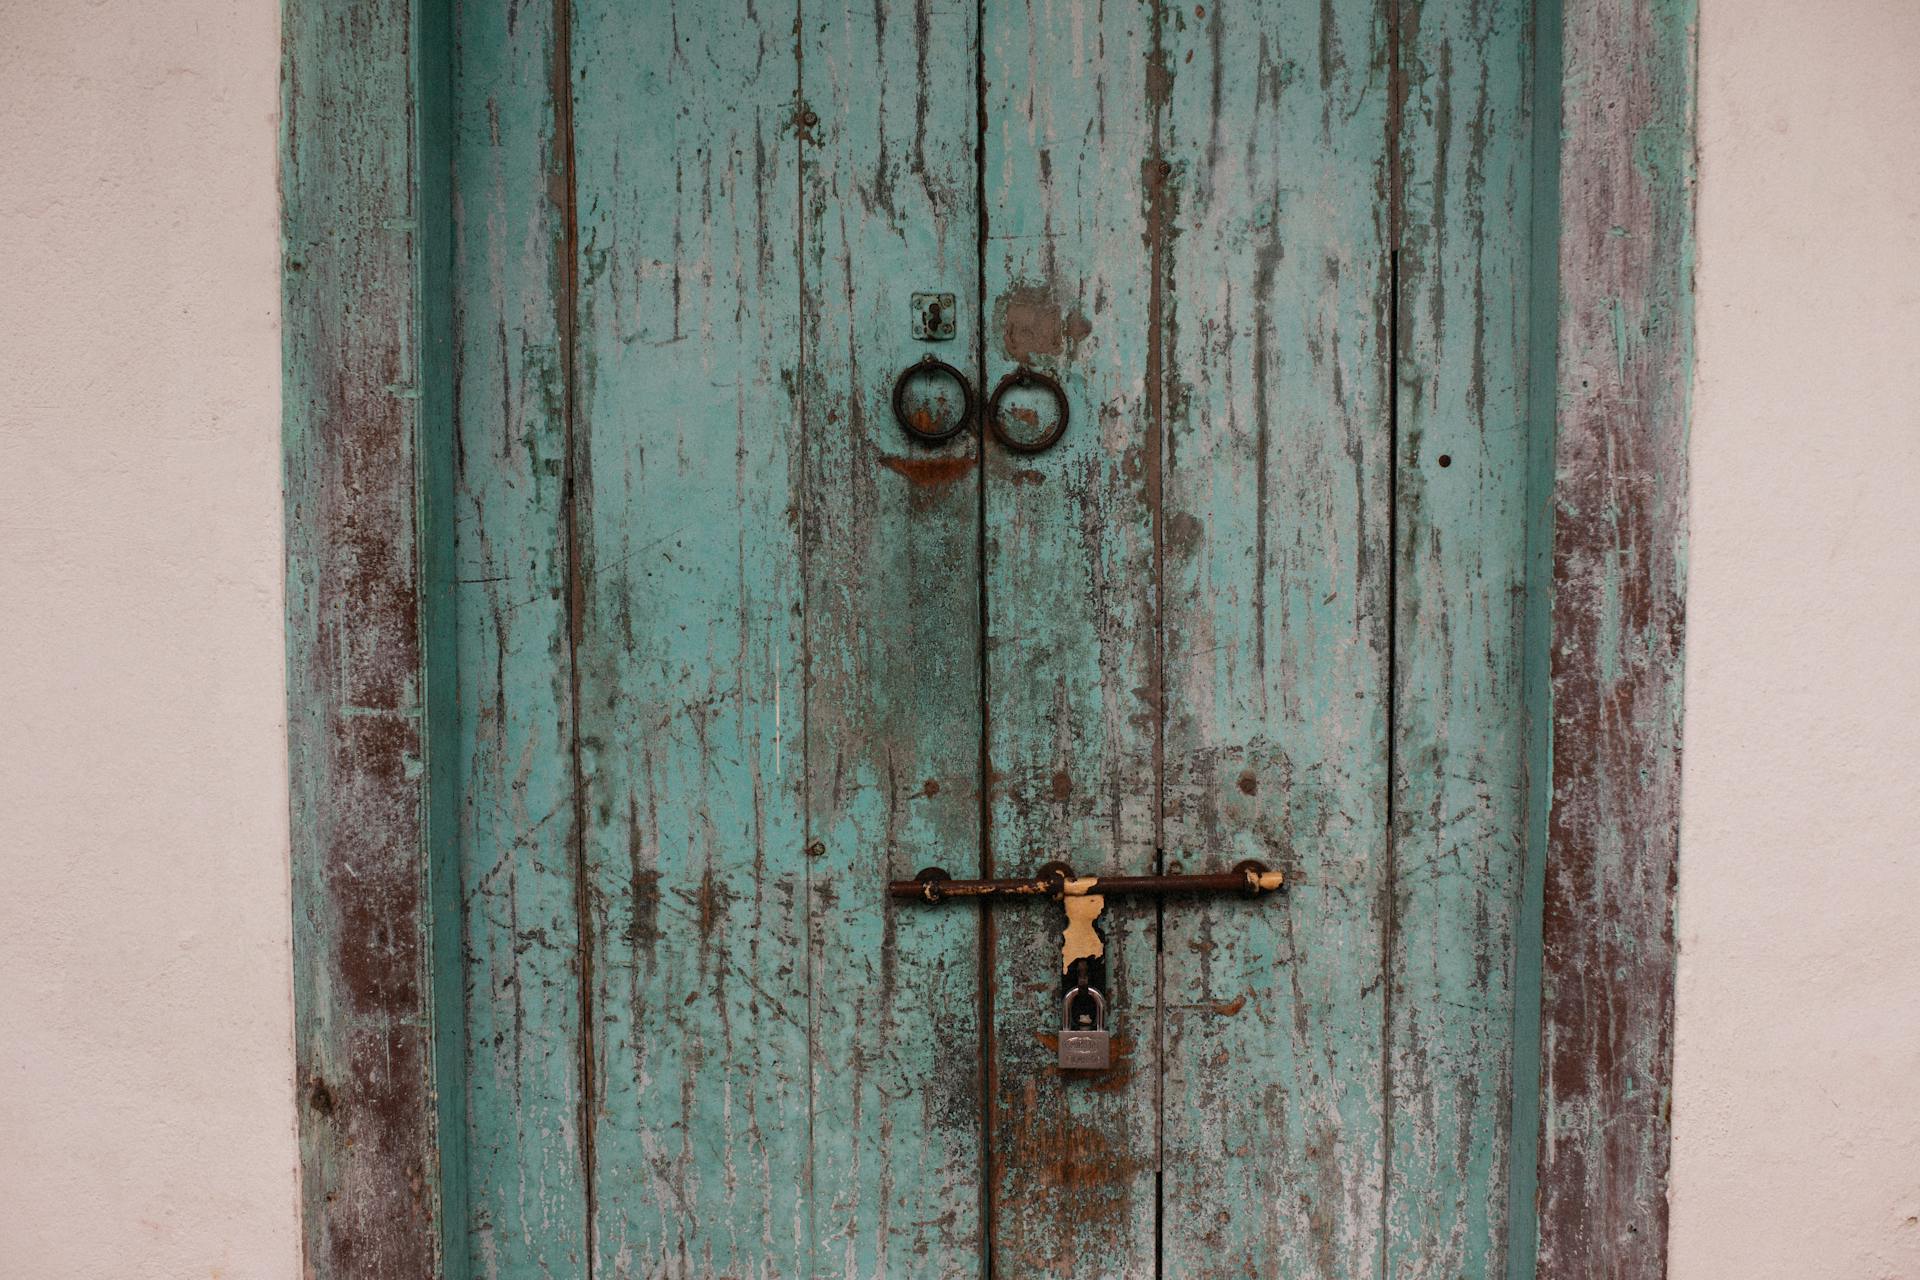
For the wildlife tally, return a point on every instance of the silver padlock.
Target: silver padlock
(1082, 1049)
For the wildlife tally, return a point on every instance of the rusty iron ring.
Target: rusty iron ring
(1025, 377)
(929, 364)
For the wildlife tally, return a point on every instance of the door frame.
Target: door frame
(367, 428)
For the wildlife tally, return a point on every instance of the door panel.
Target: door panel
(1278, 505)
(1459, 762)
(734, 650)
(892, 713)
(688, 602)
(528, 1186)
(1070, 657)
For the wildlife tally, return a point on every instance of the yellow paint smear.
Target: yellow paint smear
(1264, 881)
(1079, 940)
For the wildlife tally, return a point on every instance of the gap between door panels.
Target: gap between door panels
(986, 951)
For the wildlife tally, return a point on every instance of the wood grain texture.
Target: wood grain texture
(892, 707)
(1071, 681)
(524, 1152)
(1421, 1146)
(742, 1119)
(1460, 715)
(1278, 559)
(687, 599)
(356, 642)
(1619, 577)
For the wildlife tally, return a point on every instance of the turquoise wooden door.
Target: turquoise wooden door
(734, 650)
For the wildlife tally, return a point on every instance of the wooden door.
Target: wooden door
(734, 650)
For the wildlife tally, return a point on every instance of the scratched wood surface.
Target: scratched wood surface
(688, 637)
(1618, 626)
(1391, 1047)
(363, 137)
(1071, 681)
(887, 145)
(527, 1190)
(1460, 719)
(701, 1042)
(1277, 565)
(357, 429)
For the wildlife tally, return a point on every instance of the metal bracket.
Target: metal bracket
(933, 317)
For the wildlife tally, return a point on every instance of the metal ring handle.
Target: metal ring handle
(1025, 377)
(928, 364)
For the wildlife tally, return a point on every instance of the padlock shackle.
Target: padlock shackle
(1099, 1008)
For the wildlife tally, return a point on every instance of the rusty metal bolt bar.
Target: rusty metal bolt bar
(1057, 881)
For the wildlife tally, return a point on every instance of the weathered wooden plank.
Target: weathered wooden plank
(1276, 541)
(688, 633)
(1460, 718)
(526, 1208)
(1071, 681)
(1619, 578)
(356, 643)
(892, 707)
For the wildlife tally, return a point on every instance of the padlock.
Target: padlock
(1082, 1049)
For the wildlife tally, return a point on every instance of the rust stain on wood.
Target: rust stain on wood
(1033, 322)
(369, 1161)
(1063, 1171)
(929, 472)
(1617, 625)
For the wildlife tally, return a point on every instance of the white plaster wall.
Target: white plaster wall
(146, 1121)
(1797, 1095)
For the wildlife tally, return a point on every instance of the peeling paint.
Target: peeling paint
(706, 933)
(1033, 323)
(1080, 940)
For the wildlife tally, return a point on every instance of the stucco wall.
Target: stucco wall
(146, 1124)
(1797, 1099)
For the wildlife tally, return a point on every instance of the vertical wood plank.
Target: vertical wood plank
(1460, 716)
(1276, 534)
(1619, 580)
(686, 594)
(525, 1155)
(1072, 687)
(356, 647)
(888, 187)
